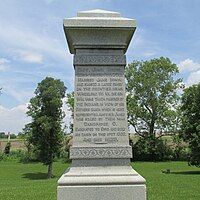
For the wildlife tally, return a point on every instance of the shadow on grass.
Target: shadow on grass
(187, 173)
(35, 176)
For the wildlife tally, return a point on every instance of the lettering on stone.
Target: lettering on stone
(100, 109)
(99, 60)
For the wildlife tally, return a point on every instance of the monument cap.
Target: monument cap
(98, 13)
(98, 29)
(99, 18)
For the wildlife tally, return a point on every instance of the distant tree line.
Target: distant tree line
(3, 135)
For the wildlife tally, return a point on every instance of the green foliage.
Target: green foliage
(70, 103)
(190, 129)
(19, 155)
(180, 150)
(2, 156)
(66, 150)
(45, 131)
(13, 136)
(151, 96)
(27, 137)
(151, 149)
(3, 135)
(27, 157)
(7, 148)
(21, 135)
(160, 149)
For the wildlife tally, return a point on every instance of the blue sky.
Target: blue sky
(33, 46)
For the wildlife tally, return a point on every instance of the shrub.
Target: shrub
(20, 155)
(151, 149)
(27, 157)
(180, 150)
(7, 148)
(2, 156)
(65, 153)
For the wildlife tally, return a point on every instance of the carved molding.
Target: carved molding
(99, 60)
(100, 152)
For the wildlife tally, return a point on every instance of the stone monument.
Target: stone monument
(100, 153)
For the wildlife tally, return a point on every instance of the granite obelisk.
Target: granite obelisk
(100, 154)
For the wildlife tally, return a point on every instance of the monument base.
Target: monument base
(101, 183)
(102, 192)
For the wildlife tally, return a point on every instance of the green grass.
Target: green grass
(11, 140)
(182, 183)
(28, 181)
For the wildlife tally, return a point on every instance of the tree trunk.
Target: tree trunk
(152, 140)
(50, 166)
(151, 131)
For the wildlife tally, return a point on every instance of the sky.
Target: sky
(33, 45)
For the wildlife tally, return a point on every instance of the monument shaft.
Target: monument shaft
(100, 119)
(100, 152)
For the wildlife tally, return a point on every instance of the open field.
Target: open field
(27, 181)
(15, 144)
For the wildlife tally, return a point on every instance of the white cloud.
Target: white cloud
(20, 95)
(67, 118)
(49, 1)
(98, 0)
(149, 54)
(4, 61)
(13, 120)
(141, 47)
(3, 67)
(188, 65)
(29, 56)
(4, 64)
(29, 41)
(193, 78)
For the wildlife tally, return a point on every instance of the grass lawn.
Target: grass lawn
(27, 181)
(182, 183)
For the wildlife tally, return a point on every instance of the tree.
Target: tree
(70, 103)
(27, 136)
(152, 95)
(45, 109)
(190, 127)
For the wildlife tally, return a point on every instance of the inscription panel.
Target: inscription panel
(100, 117)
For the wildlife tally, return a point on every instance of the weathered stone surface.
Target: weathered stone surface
(98, 29)
(101, 152)
(101, 192)
(99, 18)
(100, 118)
(102, 183)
